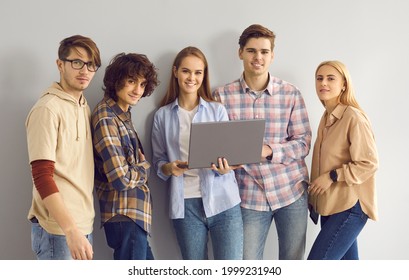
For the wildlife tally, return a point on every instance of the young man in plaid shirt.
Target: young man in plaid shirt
(276, 187)
(121, 171)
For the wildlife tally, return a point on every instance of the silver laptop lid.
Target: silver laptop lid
(239, 141)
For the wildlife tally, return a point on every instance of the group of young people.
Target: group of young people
(73, 150)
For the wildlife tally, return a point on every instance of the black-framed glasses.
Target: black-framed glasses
(78, 64)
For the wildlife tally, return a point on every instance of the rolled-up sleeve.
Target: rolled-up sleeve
(363, 152)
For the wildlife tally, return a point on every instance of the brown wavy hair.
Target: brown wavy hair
(132, 65)
(173, 89)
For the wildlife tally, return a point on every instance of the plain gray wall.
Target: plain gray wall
(370, 37)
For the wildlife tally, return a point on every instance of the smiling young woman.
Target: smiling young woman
(344, 162)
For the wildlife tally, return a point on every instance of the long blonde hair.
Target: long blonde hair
(347, 97)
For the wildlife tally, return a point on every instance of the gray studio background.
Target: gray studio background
(370, 37)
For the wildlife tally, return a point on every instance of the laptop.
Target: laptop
(239, 141)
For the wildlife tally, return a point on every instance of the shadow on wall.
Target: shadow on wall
(18, 80)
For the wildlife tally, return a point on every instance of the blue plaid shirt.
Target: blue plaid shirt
(120, 178)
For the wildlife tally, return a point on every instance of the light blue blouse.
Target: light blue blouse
(219, 192)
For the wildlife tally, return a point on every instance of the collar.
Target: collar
(268, 89)
(202, 103)
(123, 116)
(336, 114)
(57, 90)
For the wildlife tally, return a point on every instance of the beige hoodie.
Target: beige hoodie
(58, 129)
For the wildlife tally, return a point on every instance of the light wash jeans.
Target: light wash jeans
(337, 239)
(50, 246)
(291, 224)
(226, 232)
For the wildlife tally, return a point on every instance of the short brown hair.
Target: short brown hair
(132, 65)
(78, 41)
(256, 31)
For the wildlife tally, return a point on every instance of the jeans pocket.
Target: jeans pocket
(36, 235)
(113, 234)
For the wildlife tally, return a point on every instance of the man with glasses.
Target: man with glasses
(61, 157)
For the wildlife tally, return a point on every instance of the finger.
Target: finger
(85, 255)
(233, 167)
(312, 189)
(81, 256)
(226, 163)
(89, 255)
(220, 162)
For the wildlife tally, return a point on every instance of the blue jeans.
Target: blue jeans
(226, 232)
(129, 241)
(291, 224)
(337, 239)
(50, 246)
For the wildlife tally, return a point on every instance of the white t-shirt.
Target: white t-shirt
(191, 180)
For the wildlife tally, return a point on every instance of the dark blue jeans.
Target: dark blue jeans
(337, 239)
(129, 241)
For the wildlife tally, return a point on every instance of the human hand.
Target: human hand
(320, 185)
(266, 151)
(141, 155)
(223, 166)
(79, 246)
(175, 168)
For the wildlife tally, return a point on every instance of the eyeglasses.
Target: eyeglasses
(78, 64)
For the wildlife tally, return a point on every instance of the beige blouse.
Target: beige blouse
(345, 142)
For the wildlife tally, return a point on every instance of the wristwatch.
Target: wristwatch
(333, 175)
(270, 157)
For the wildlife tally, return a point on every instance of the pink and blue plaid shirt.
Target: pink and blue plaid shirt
(273, 184)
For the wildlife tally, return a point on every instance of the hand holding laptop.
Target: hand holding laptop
(174, 168)
(223, 166)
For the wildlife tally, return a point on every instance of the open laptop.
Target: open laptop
(239, 141)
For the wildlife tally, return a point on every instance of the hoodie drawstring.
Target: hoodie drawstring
(77, 124)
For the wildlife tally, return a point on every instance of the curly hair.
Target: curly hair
(132, 65)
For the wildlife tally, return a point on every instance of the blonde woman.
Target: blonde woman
(345, 159)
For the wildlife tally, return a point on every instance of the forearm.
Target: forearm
(57, 209)
(293, 149)
(79, 246)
